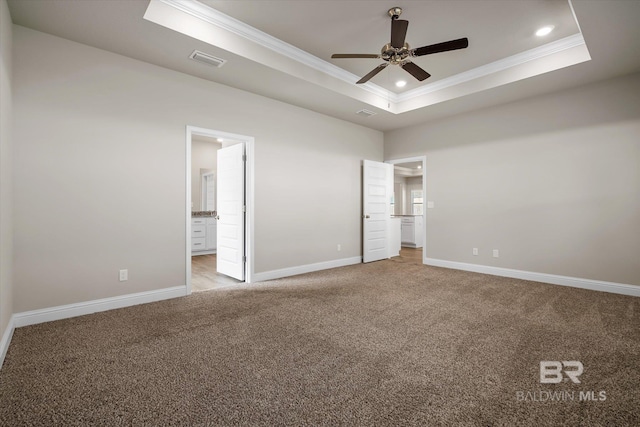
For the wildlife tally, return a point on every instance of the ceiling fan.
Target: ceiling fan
(398, 51)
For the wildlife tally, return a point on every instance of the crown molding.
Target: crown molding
(534, 54)
(239, 28)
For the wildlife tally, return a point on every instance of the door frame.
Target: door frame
(249, 183)
(422, 159)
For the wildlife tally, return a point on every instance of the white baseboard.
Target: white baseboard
(6, 339)
(198, 253)
(79, 309)
(575, 282)
(302, 269)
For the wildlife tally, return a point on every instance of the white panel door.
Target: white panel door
(376, 202)
(230, 212)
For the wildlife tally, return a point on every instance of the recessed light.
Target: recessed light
(419, 166)
(220, 140)
(401, 83)
(544, 30)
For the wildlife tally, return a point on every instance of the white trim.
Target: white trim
(575, 17)
(248, 142)
(241, 29)
(80, 309)
(308, 268)
(198, 253)
(250, 185)
(88, 307)
(188, 132)
(494, 67)
(574, 282)
(6, 339)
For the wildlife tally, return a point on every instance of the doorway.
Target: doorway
(409, 203)
(206, 233)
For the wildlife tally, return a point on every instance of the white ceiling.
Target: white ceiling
(326, 27)
(497, 29)
(410, 169)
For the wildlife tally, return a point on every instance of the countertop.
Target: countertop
(195, 214)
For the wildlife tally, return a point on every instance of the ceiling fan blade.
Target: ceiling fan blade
(441, 47)
(416, 71)
(372, 73)
(398, 32)
(356, 55)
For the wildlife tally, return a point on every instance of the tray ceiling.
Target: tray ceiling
(282, 49)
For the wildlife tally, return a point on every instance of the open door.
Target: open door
(230, 256)
(376, 203)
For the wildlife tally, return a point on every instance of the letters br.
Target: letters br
(551, 371)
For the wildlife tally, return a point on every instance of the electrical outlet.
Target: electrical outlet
(339, 247)
(496, 253)
(124, 275)
(475, 251)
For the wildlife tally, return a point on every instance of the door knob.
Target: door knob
(366, 217)
(217, 217)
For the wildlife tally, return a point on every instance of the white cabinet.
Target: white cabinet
(396, 231)
(211, 233)
(203, 235)
(411, 234)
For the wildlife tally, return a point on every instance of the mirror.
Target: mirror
(204, 157)
(207, 190)
(407, 189)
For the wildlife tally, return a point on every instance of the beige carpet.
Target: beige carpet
(378, 344)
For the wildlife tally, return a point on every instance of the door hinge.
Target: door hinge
(244, 208)
(244, 157)
(244, 259)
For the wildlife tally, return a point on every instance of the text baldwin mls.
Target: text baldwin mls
(554, 372)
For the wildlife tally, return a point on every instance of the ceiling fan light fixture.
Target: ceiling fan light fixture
(543, 31)
(401, 83)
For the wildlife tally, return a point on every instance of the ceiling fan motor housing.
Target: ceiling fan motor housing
(399, 53)
(395, 12)
(394, 55)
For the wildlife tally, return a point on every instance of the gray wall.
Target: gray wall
(6, 202)
(553, 182)
(94, 131)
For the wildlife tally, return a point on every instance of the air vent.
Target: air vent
(205, 58)
(366, 113)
